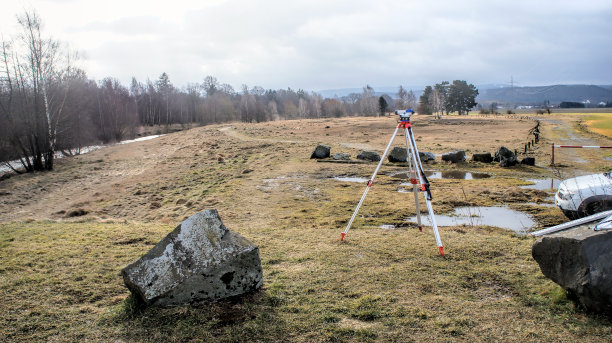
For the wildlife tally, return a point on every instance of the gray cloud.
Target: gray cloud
(329, 44)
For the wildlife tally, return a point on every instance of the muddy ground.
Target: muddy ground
(250, 170)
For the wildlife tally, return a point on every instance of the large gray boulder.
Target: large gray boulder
(369, 156)
(341, 156)
(321, 151)
(200, 260)
(484, 157)
(454, 156)
(426, 156)
(580, 260)
(505, 157)
(398, 154)
(528, 161)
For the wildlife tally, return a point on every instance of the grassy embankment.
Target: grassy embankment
(60, 278)
(600, 123)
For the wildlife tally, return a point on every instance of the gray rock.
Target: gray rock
(200, 260)
(321, 151)
(341, 156)
(579, 261)
(369, 156)
(398, 154)
(529, 161)
(484, 157)
(505, 157)
(426, 156)
(454, 156)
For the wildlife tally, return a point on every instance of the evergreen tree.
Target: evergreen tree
(461, 97)
(382, 106)
(425, 101)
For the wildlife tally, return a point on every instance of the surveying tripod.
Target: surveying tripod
(412, 157)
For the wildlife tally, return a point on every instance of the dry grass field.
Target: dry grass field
(66, 234)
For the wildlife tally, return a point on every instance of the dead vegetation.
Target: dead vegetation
(59, 276)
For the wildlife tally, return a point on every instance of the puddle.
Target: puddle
(387, 227)
(350, 179)
(502, 217)
(405, 189)
(545, 204)
(608, 158)
(543, 184)
(449, 174)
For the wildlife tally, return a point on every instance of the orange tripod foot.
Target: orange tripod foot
(441, 251)
(342, 236)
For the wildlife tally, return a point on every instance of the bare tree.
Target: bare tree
(411, 100)
(35, 92)
(402, 95)
(368, 102)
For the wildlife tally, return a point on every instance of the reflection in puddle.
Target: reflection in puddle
(448, 174)
(350, 179)
(545, 204)
(543, 184)
(502, 217)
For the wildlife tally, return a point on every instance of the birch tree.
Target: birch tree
(34, 69)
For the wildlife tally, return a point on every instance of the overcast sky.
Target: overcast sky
(318, 45)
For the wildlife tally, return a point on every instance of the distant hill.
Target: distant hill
(489, 93)
(555, 94)
(378, 91)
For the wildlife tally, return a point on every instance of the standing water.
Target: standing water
(502, 217)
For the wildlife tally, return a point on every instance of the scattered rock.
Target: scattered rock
(529, 161)
(398, 154)
(484, 157)
(76, 213)
(321, 151)
(505, 157)
(426, 156)
(341, 156)
(454, 156)
(246, 171)
(200, 260)
(369, 156)
(579, 261)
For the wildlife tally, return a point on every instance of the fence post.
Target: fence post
(552, 162)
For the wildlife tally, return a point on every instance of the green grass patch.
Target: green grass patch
(60, 281)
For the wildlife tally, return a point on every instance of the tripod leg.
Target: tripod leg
(419, 167)
(413, 180)
(382, 159)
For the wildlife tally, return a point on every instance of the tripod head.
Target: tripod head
(404, 114)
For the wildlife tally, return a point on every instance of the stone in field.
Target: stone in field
(398, 154)
(484, 157)
(200, 260)
(580, 261)
(369, 156)
(454, 156)
(505, 157)
(321, 151)
(341, 156)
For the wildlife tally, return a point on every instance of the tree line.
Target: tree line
(49, 106)
(446, 97)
